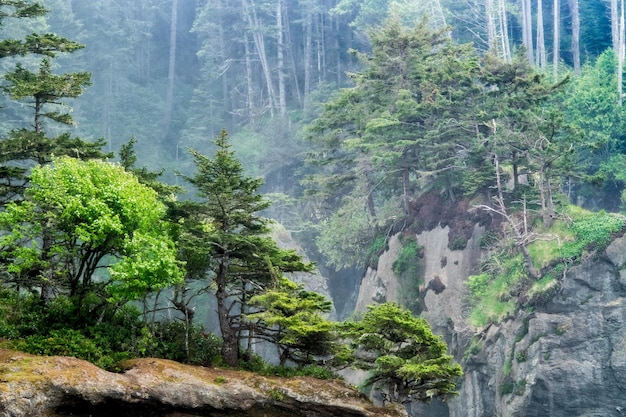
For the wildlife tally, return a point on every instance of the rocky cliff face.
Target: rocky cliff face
(565, 358)
(60, 386)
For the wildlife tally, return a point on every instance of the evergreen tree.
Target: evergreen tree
(291, 318)
(45, 93)
(240, 257)
(405, 359)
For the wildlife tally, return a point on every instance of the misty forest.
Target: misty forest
(258, 185)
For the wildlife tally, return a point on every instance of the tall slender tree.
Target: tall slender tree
(242, 259)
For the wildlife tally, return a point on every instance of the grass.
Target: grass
(494, 293)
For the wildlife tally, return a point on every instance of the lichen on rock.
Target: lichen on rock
(55, 386)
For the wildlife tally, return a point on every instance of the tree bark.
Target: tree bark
(504, 31)
(620, 54)
(171, 72)
(573, 5)
(491, 25)
(556, 46)
(230, 344)
(254, 25)
(280, 56)
(527, 30)
(614, 25)
(541, 43)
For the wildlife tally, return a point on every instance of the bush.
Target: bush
(169, 343)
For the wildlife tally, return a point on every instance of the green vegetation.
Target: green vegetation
(406, 267)
(404, 357)
(496, 293)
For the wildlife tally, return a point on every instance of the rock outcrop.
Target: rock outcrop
(57, 386)
(565, 357)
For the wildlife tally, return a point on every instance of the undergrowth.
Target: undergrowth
(504, 286)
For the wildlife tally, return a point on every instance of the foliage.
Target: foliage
(404, 357)
(76, 217)
(291, 318)
(593, 232)
(225, 229)
(504, 287)
(406, 267)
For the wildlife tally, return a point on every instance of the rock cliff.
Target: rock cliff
(61, 386)
(564, 358)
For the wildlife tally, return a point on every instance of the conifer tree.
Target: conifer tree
(45, 93)
(228, 240)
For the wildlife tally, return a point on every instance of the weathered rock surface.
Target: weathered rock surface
(55, 386)
(565, 358)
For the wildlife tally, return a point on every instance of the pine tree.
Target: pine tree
(44, 92)
(235, 249)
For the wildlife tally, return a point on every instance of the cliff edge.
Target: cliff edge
(57, 386)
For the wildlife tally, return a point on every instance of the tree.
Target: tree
(241, 258)
(405, 359)
(46, 93)
(291, 318)
(79, 218)
(405, 123)
(48, 44)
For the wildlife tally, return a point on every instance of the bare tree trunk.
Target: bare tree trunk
(556, 46)
(541, 43)
(249, 86)
(308, 51)
(573, 5)
(171, 72)
(620, 54)
(254, 25)
(527, 30)
(504, 31)
(290, 49)
(491, 25)
(614, 25)
(522, 234)
(280, 56)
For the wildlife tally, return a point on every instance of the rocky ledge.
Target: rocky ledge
(62, 386)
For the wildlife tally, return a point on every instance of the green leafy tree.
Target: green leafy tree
(79, 218)
(291, 318)
(235, 248)
(405, 359)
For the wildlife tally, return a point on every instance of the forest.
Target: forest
(150, 148)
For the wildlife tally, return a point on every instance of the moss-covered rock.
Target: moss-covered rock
(55, 386)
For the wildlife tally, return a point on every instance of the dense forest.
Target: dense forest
(331, 117)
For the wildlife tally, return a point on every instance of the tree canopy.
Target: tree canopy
(82, 217)
(405, 359)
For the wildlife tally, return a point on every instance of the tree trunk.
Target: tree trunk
(280, 56)
(491, 25)
(541, 44)
(230, 341)
(620, 54)
(249, 86)
(527, 30)
(308, 51)
(556, 46)
(614, 25)
(573, 5)
(504, 31)
(171, 72)
(254, 25)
